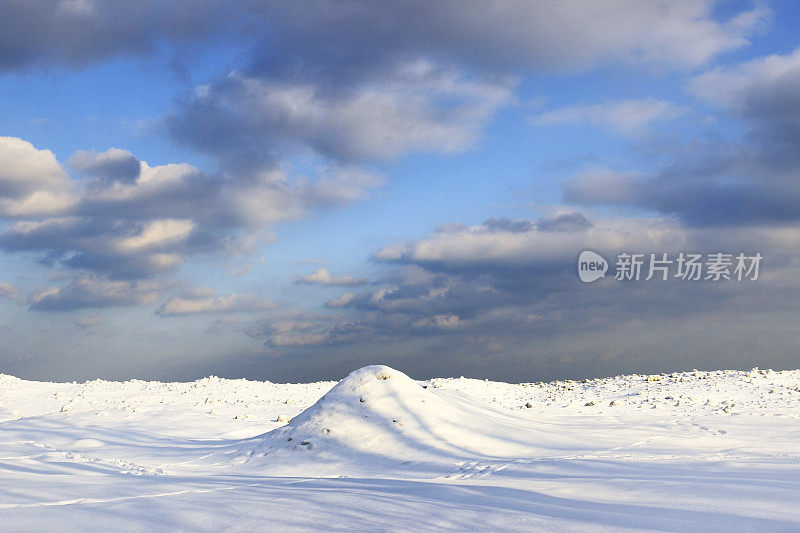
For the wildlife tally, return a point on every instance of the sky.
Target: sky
(291, 190)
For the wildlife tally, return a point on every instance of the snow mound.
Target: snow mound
(382, 413)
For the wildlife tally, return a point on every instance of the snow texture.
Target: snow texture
(381, 451)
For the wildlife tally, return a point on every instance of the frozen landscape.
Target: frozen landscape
(671, 452)
(290, 190)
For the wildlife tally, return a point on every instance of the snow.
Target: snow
(380, 451)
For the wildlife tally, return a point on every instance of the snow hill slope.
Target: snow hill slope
(378, 417)
(673, 452)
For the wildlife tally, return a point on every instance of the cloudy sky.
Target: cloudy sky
(290, 190)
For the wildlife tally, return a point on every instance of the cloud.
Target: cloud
(350, 83)
(355, 36)
(90, 321)
(142, 226)
(763, 92)
(345, 82)
(340, 301)
(329, 337)
(340, 185)
(627, 116)
(552, 241)
(496, 279)
(343, 85)
(323, 277)
(122, 249)
(566, 222)
(298, 329)
(9, 291)
(338, 39)
(206, 301)
(764, 88)
(93, 292)
(505, 294)
(113, 165)
(80, 32)
(710, 182)
(32, 183)
(418, 107)
(695, 197)
(602, 185)
(299, 335)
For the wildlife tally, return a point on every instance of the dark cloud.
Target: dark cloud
(465, 296)
(348, 84)
(80, 32)
(92, 292)
(695, 197)
(344, 80)
(251, 121)
(353, 83)
(505, 224)
(331, 37)
(714, 183)
(113, 165)
(337, 40)
(763, 90)
(568, 222)
(121, 249)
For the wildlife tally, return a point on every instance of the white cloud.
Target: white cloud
(467, 246)
(130, 220)
(764, 86)
(484, 249)
(89, 321)
(205, 301)
(446, 322)
(626, 116)
(8, 291)
(32, 183)
(340, 301)
(98, 293)
(323, 277)
(340, 185)
(156, 235)
(416, 107)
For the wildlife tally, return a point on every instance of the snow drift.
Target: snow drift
(673, 452)
(381, 413)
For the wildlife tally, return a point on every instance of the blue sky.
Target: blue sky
(288, 190)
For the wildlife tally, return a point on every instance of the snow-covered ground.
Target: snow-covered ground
(378, 451)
